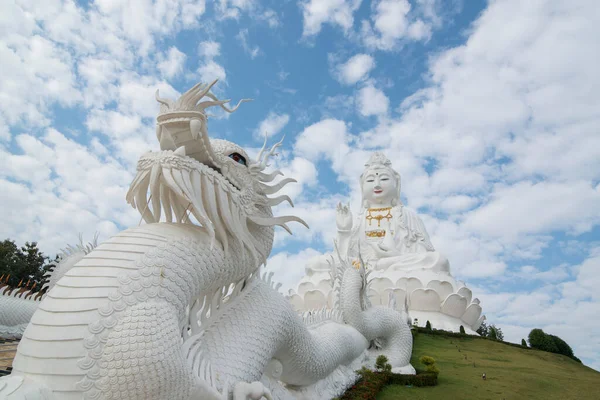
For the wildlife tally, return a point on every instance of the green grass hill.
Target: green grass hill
(512, 372)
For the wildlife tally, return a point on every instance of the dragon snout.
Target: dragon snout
(185, 129)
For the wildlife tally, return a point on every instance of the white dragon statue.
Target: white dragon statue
(178, 309)
(17, 304)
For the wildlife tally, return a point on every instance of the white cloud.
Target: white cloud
(305, 174)
(271, 17)
(271, 125)
(289, 267)
(391, 23)
(61, 190)
(35, 73)
(242, 36)
(355, 69)
(528, 208)
(172, 65)
(372, 101)
(335, 12)
(233, 8)
(209, 69)
(322, 139)
(209, 49)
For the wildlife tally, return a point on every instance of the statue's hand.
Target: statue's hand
(343, 218)
(384, 251)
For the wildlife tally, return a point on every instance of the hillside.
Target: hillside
(512, 372)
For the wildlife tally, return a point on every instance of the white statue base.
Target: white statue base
(429, 296)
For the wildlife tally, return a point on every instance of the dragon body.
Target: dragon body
(176, 308)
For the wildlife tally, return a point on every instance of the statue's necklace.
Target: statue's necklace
(370, 217)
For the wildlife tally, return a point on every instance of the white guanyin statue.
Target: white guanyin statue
(405, 269)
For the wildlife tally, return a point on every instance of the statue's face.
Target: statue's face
(379, 186)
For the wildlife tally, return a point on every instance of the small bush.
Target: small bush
(462, 329)
(381, 363)
(368, 385)
(428, 325)
(429, 363)
(523, 343)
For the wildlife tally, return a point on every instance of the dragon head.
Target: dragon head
(211, 182)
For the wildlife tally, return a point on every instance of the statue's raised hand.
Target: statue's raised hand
(343, 218)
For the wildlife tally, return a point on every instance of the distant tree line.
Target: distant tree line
(25, 265)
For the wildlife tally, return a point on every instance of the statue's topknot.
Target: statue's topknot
(378, 159)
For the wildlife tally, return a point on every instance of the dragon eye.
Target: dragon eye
(238, 158)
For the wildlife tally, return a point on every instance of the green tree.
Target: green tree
(428, 325)
(523, 343)
(495, 333)
(483, 330)
(23, 264)
(539, 340)
(562, 346)
(462, 329)
(382, 365)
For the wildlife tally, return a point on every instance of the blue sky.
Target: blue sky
(489, 110)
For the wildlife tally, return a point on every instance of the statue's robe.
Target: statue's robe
(404, 232)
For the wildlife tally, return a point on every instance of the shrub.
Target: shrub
(428, 325)
(462, 329)
(368, 385)
(380, 362)
(523, 343)
(429, 363)
(382, 365)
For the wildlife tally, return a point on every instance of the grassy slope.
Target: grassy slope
(512, 373)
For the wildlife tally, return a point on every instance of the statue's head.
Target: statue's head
(380, 183)
(208, 181)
